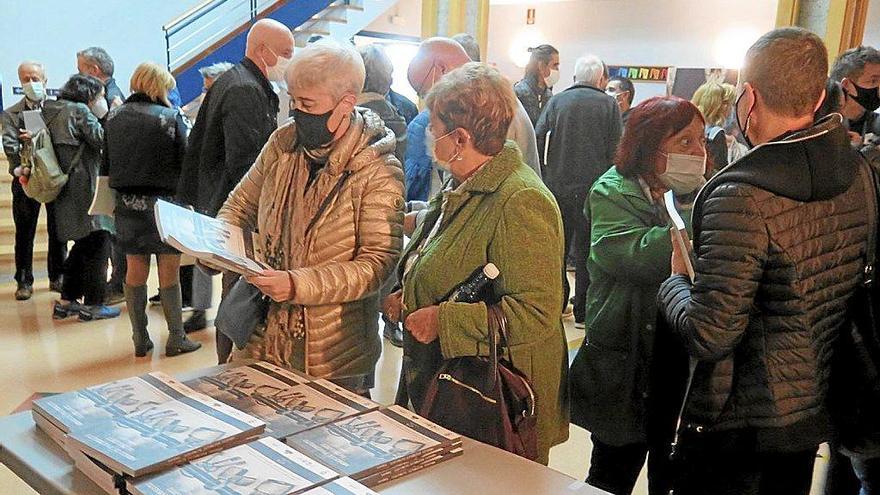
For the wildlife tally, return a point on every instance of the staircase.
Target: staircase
(216, 30)
(7, 231)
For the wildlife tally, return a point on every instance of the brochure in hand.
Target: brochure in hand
(214, 241)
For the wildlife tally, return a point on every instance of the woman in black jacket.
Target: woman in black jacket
(77, 137)
(145, 144)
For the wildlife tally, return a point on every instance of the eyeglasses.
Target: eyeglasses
(422, 85)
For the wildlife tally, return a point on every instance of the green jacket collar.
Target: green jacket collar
(489, 178)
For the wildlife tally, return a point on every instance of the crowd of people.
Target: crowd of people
(723, 346)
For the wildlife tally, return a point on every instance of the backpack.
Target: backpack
(47, 179)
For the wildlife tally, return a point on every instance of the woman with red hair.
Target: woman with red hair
(662, 149)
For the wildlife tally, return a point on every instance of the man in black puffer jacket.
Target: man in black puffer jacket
(779, 241)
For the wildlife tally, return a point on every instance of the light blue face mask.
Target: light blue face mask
(34, 91)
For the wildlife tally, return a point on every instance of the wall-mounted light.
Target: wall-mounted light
(528, 37)
(731, 46)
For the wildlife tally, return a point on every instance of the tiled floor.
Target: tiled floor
(41, 355)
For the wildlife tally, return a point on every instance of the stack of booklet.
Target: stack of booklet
(378, 446)
(214, 241)
(151, 435)
(288, 402)
(58, 414)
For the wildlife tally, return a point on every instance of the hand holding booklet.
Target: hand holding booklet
(208, 239)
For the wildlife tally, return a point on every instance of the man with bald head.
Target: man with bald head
(26, 211)
(237, 116)
(436, 57)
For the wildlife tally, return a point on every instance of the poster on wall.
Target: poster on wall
(640, 73)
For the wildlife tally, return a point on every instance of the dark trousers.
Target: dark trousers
(868, 471)
(85, 270)
(120, 266)
(577, 248)
(25, 214)
(616, 469)
(186, 284)
(224, 343)
(730, 465)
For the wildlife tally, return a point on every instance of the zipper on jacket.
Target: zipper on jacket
(450, 378)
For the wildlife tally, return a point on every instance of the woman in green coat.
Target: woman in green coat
(495, 210)
(630, 247)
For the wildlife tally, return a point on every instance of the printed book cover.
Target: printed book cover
(164, 435)
(264, 467)
(285, 403)
(342, 486)
(108, 400)
(207, 238)
(361, 445)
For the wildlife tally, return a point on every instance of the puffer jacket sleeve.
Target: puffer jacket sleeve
(527, 248)
(379, 237)
(712, 315)
(240, 209)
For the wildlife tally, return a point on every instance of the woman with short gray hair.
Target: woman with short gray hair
(326, 195)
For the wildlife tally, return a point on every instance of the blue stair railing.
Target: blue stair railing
(216, 31)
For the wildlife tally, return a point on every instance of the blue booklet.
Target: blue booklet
(287, 403)
(63, 412)
(265, 467)
(164, 435)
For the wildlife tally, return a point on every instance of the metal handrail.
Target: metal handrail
(192, 15)
(199, 11)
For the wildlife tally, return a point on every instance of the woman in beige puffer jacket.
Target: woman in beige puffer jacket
(336, 259)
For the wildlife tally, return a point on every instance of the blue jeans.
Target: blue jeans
(868, 472)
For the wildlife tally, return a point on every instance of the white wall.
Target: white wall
(679, 33)
(411, 13)
(130, 31)
(872, 25)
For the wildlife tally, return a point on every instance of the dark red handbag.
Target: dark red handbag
(486, 398)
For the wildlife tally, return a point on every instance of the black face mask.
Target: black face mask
(869, 99)
(311, 130)
(742, 130)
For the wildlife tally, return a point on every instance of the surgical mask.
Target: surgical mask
(277, 71)
(311, 129)
(99, 107)
(34, 91)
(552, 79)
(869, 99)
(431, 145)
(684, 173)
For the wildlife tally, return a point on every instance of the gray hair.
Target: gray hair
(470, 45)
(99, 57)
(327, 64)
(378, 69)
(213, 71)
(589, 69)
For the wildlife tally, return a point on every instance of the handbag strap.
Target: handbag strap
(328, 199)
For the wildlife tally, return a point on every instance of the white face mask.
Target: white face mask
(552, 79)
(431, 145)
(34, 91)
(684, 173)
(99, 107)
(276, 72)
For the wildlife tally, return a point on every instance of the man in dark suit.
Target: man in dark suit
(235, 120)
